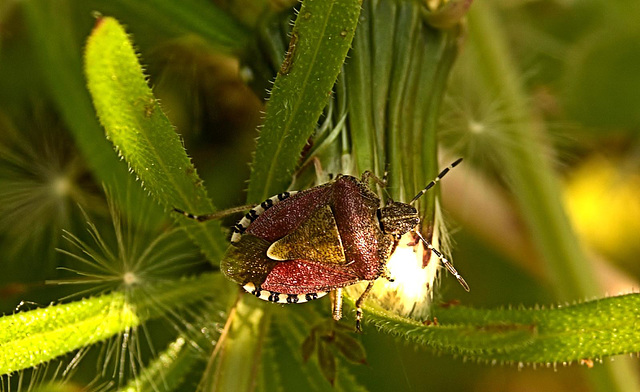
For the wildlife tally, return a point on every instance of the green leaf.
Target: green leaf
(309, 345)
(37, 336)
(456, 338)
(238, 358)
(31, 338)
(589, 330)
(350, 348)
(59, 54)
(55, 387)
(142, 134)
(321, 38)
(289, 329)
(327, 362)
(395, 79)
(358, 80)
(167, 371)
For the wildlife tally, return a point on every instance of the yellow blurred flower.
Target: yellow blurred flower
(603, 201)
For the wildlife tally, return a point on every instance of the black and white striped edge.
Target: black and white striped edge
(244, 223)
(280, 298)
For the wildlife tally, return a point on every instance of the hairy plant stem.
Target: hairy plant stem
(238, 355)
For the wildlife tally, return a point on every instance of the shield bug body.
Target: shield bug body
(298, 246)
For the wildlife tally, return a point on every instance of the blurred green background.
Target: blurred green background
(577, 60)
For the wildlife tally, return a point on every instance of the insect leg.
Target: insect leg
(336, 304)
(214, 215)
(359, 302)
(445, 262)
(386, 274)
(367, 175)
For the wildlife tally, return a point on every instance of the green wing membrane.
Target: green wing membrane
(316, 239)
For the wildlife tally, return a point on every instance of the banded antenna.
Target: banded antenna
(439, 254)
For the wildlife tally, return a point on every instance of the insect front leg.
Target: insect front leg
(387, 274)
(367, 175)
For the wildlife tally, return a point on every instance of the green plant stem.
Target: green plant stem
(30, 338)
(589, 330)
(527, 166)
(530, 176)
(34, 337)
(239, 357)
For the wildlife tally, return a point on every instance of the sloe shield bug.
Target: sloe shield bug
(298, 246)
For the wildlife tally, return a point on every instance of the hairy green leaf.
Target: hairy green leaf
(167, 371)
(142, 134)
(31, 338)
(290, 328)
(59, 53)
(319, 43)
(37, 336)
(589, 330)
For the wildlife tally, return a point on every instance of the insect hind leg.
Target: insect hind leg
(336, 304)
(214, 215)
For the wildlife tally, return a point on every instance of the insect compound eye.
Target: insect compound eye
(398, 218)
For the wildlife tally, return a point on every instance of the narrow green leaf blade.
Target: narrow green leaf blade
(321, 38)
(140, 131)
(457, 337)
(350, 348)
(589, 330)
(168, 370)
(289, 330)
(30, 338)
(357, 73)
(59, 54)
(327, 362)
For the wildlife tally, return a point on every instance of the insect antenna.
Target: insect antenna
(435, 180)
(444, 261)
(214, 215)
